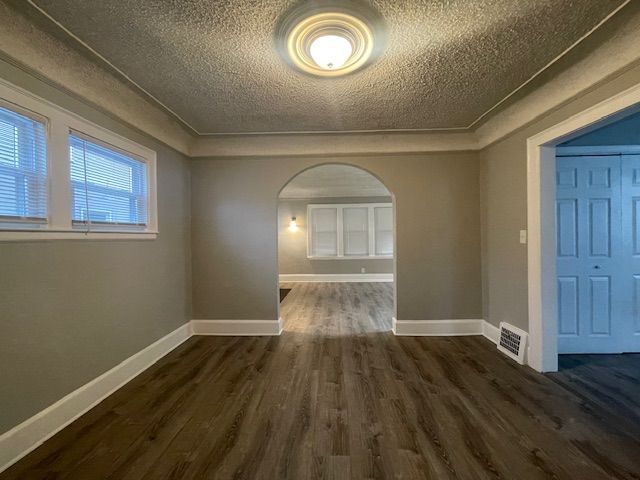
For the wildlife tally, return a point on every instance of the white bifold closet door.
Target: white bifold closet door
(598, 253)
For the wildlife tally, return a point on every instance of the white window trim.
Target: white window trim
(59, 122)
(340, 233)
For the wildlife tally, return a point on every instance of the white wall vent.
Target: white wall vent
(512, 342)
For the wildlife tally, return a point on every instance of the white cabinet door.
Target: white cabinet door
(593, 286)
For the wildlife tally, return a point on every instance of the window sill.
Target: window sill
(40, 235)
(353, 257)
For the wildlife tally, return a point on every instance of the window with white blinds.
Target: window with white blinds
(350, 230)
(64, 177)
(108, 187)
(383, 219)
(23, 169)
(355, 228)
(324, 232)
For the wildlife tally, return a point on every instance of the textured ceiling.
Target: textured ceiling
(334, 181)
(215, 65)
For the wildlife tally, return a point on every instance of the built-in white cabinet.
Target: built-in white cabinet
(340, 231)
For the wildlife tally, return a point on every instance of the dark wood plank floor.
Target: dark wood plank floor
(338, 396)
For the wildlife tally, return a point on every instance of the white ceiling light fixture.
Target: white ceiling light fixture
(330, 51)
(330, 44)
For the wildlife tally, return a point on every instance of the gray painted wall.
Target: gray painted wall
(71, 310)
(292, 246)
(503, 179)
(234, 233)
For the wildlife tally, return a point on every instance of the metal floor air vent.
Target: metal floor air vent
(512, 342)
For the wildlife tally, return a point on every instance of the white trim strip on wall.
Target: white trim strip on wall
(434, 328)
(30, 434)
(490, 331)
(336, 277)
(44, 235)
(446, 328)
(237, 327)
(599, 150)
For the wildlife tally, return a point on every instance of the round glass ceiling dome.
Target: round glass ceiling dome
(330, 51)
(330, 44)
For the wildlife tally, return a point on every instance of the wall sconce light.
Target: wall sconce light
(293, 226)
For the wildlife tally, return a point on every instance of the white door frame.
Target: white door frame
(541, 252)
(599, 150)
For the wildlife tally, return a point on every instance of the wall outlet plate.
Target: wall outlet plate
(523, 236)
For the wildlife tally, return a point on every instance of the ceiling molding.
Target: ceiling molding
(479, 120)
(606, 61)
(116, 69)
(47, 58)
(331, 144)
(338, 132)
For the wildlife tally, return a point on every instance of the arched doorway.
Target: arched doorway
(336, 251)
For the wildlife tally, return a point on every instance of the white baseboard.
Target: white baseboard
(336, 277)
(237, 327)
(490, 332)
(30, 434)
(446, 328)
(433, 328)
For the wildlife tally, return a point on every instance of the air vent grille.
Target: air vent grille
(512, 342)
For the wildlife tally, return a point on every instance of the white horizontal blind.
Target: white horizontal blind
(324, 232)
(23, 169)
(108, 186)
(355, 228)
(383, 230)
